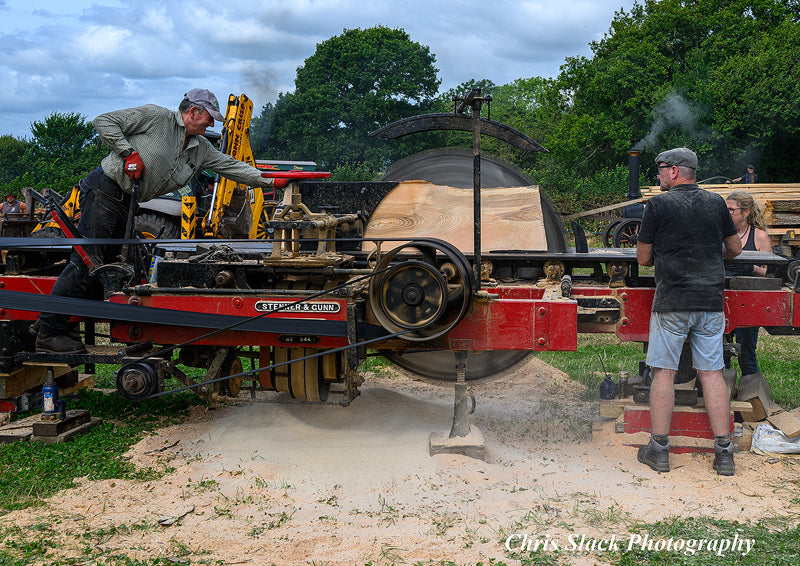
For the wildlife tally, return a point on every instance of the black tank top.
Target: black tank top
(731, 269)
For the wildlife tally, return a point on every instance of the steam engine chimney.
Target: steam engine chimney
(633, 173)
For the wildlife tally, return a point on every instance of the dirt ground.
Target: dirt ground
(291, 484)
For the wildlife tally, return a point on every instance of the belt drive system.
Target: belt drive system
(360, 335)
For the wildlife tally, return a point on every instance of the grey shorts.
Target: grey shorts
(669, 330)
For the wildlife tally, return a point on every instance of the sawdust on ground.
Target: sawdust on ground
(289, 484)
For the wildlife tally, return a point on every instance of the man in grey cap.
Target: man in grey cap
(685, 233)
(158, 148)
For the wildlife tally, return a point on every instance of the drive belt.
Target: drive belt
(103, 310)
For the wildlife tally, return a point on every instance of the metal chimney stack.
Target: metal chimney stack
(633, 173)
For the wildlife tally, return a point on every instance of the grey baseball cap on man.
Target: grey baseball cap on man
(680, 156)
(206, 99)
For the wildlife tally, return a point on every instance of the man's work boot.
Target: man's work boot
(73, 331)
(723, 460)
(654, 455)
(58, 344)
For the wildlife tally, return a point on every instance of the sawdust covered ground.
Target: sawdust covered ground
(291, 484)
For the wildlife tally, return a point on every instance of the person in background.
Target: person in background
(161, 150)
(749, 177)
(748, 218)
(686, 233)
(13, 206)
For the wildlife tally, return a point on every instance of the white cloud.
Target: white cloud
(91, 56)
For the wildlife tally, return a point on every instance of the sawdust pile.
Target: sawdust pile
(288, 484)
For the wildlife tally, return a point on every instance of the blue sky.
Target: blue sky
(94, 56)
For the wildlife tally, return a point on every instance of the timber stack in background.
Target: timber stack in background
(781, 204)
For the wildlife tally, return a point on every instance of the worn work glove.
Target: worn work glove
(280, 182)
(134, 166)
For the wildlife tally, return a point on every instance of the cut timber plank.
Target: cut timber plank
(613, 408)
(511, 218)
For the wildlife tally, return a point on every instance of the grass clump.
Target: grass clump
(32, 471)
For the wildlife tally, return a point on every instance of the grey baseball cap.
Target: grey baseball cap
(206, 99)
(679, 156)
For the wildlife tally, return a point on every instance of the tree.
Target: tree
(353, 84)
(671, 72)
(12, 155)
(61, 150)
(61, 134)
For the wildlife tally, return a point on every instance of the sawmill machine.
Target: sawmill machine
(419, 265)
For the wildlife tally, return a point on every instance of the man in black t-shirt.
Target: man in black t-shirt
(685, 233)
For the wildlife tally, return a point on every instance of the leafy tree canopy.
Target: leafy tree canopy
(714, 75)
(353, 84)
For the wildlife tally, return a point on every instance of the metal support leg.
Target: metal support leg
(464, 438)
(460, 410)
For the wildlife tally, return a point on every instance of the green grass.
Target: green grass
(32, 471)
(778, 359)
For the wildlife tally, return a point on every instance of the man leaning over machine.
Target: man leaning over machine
(686, 232)
(162, 150)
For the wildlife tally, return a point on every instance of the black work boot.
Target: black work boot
(58, 344)
(73, 330)
(654, 455)
(723, 460)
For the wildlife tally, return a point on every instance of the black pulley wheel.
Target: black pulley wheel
(409, 293)
(413, 294)
(137, 381)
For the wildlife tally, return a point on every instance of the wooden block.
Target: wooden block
(74, 418)
(27, 377)
(745, 441)
(18, 430)
(755, 389)
(85, 381)
(69, 434)
(613, 408)
(788, 424)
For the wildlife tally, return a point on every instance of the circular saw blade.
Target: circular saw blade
(454, 167)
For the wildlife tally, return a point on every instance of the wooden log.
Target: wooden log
(511, 218)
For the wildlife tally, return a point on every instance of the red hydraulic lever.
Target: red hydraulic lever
(296, 174)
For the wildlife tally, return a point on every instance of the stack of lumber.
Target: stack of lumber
(780, 201)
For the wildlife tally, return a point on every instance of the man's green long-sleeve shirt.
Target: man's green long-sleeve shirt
(170, 159)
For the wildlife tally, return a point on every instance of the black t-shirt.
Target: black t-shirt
(686, 226)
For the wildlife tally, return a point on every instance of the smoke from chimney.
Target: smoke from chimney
(673, 112)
